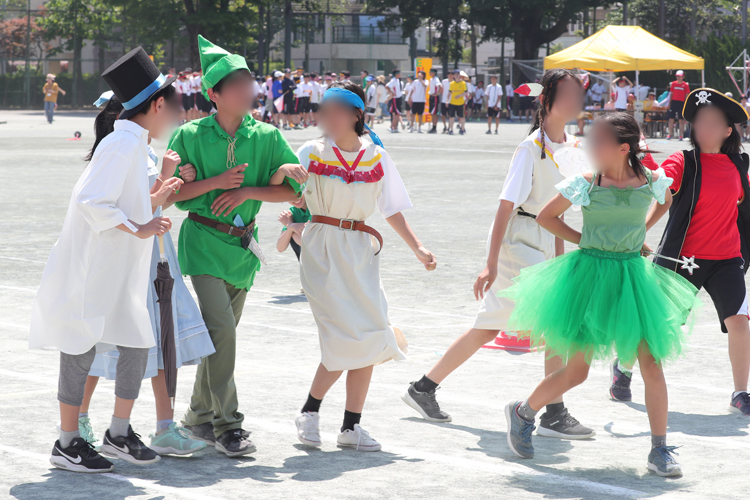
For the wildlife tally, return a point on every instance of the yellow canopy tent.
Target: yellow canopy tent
(623, 48)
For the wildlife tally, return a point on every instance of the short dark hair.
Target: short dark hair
(395, 71)
(359, 127)
(306, 75)
(365, 72)
(346, 74)
(433, 70)
(423, 73)
(314, 75)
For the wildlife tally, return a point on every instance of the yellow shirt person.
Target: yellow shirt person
(51, 90)
(458, 91)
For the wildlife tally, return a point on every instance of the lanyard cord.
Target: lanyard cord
(231, 160)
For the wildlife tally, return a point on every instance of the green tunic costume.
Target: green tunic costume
(221, 270)
(203, 143)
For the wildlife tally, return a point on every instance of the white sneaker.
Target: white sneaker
(359, 439)
(307, 428)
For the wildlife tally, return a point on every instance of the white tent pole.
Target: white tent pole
(703, 78)
(637, 81)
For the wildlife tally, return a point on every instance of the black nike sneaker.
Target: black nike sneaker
(129, 448)
(80, 456)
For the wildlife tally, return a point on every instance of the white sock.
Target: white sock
(163, 425)
(735, 393)
(119, 427)
(82, 415)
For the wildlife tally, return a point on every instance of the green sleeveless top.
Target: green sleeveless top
(614, 220)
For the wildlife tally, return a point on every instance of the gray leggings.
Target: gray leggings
(74, 368)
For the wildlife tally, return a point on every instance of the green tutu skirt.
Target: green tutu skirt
(602, 303)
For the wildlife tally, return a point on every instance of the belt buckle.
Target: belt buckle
(351, 222)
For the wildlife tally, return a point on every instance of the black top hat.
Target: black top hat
(710, 97)
(134, 78)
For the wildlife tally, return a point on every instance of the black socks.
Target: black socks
(425, 385)
(554, 409)
(312, 404)
(350, 418)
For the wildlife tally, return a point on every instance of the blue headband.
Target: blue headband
(104, 99)
(348, 97)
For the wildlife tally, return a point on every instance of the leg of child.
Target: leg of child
(656, 392)
(739, 350)
(357, 385)
(556, 384)
(462, 349)
(164, 410)
(322, 382)
(88, 392)
(131, 366)
(73, 372)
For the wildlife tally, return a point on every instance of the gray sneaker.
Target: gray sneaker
(202, 432)
(519, 431)
(563, 425)
(426, 404)
(663, 463)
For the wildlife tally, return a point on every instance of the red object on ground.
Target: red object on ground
(506, 343)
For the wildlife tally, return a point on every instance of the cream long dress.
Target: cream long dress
(530, 184)
(339, 269)
(94, 286)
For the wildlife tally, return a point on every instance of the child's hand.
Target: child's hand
(167, 187)
(297, 227)
(285, 218)
(188, 172)
(232, 178)
(427, 258)
(295, 171)
(156, 226)
(645, 250)
(169, 164)
(484, 281)
(228, 201)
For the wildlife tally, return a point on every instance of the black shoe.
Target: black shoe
(488, 132)
(129, 448)
(432, 131)
(563, 425)
(80, 456)
(620, 389)
(202, 432)
(235, 443)
(425, 403)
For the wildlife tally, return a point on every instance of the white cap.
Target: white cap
(679, 73)
(277, 74)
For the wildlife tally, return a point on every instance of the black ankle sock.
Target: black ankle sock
(350, 418)
(425, 385)
(312, 404)
(554, 408)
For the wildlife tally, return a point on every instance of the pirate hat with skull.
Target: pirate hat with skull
(710, 97)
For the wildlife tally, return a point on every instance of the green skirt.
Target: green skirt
(602, 303)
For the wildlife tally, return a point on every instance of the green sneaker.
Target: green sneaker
(175, 441)
(87, 433)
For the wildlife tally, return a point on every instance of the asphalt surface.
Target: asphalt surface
(454, 182)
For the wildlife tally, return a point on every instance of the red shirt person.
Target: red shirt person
(678, 92)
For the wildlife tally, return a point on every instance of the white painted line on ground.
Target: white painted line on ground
(22, 260)
(140, 483)
(18, 288)
(14, 325)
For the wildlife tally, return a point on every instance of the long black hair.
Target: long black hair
(626, 130)
(731, 145)
(104, 124)
(549, 81)
(359, 127)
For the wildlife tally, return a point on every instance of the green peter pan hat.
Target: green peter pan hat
(216, 63)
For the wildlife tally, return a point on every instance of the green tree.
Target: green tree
(684, 21)
(74, 21)
(531, 23)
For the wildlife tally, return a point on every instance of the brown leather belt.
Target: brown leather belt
(220, 226)
(349, 225)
